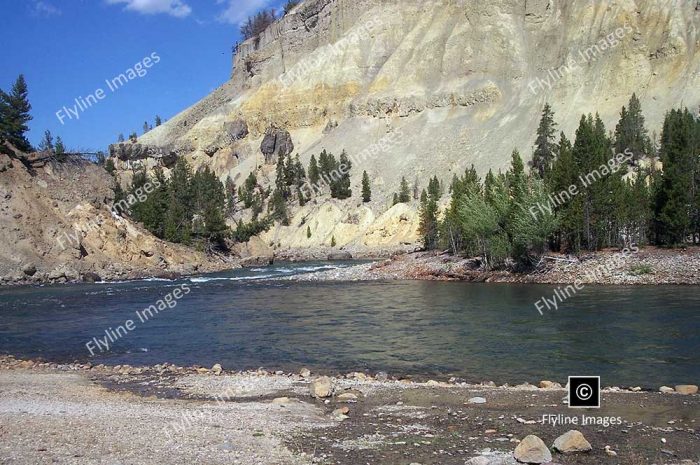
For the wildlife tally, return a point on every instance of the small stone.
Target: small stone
(666, 389)
(432, 382)
(347, 397)
(636, 389)
(321, 387)
(490, 431)
(532, 450)
(572, 441)
(687, 389)
(340, 413)
(280, 400)
(216, 369)
(544, 384)
(382, 376)
(305, 372)
(610, 452)
(477, 400)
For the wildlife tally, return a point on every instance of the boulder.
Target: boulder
(686, 389)
(666, 389)
(236, 129)
(29, 269)
(257, 261)
(216, 369)
(91, 277)
(276, 143)
(572, 441)
(532, 450)
(305, 372)
(544, 384)
(341, 255)
(168, 159)
(321, 387)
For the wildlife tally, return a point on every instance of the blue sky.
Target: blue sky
(68, 48)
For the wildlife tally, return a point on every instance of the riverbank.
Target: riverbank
(648, 266)
(73, 413)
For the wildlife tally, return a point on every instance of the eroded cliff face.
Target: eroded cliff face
(448, 82)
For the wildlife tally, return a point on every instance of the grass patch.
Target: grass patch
(640, 270)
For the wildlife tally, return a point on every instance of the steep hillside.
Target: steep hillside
(418, 88)
(56, 225)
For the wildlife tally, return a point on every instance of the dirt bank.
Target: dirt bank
(166, 414)
(646, 266)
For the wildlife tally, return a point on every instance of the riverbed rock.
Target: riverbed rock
(477, 400)
(304, 372)
(666, 389)
(280, 400)
(687, 389)
(321, 387)
(340, 255)
(216, 369)
(91, 277)
(532, 450)
(545, 384)
(572, 441)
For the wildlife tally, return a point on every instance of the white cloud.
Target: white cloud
(237, 11)
(176, 8)
(45, 9)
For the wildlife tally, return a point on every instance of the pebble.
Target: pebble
(477, 400)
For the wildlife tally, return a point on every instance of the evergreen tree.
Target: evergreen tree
(340, 188)
(366, 189)
(308, 232)
(314, 173)
(46, 144)
(428, 226)
(674, 196)
(404, 192)
(158, 122)
(231, 200)
(120, 137)
(333, 243)
(14, 115)
(59, 149)
(630, 132)
(545, 144)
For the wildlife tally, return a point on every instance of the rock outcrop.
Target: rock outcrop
(425, 88)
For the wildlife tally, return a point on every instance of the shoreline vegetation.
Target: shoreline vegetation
(641, 266)
(57, 412)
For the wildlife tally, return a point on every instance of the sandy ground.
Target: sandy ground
(80, 415)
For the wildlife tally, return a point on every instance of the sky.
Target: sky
(69, 49)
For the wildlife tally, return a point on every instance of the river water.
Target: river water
(645, 336)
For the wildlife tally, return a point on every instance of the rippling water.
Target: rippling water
(644, 336)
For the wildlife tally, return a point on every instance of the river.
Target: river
(243, 319)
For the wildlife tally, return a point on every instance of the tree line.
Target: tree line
(602, 190)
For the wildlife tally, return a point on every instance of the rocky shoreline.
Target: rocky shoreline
(79, 413)
(649, 266)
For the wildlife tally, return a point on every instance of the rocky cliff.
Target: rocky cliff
(418, 88)
(56, 226)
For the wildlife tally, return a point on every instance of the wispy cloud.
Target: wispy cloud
(177, 8)
(45, 9)
(237, 11)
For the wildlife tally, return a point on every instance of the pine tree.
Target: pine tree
(120, 137)
(314, 173)
(158, 122)
(14, 115)
(59, 149)
(545, 144)
(630, 132)
(46, 144)
(428, 226)
(333, 243)
(674, 196)
(404, 192)
(342, 185)
(366, 189)
(308, 232)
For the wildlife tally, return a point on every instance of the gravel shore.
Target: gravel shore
(79, 414)
(646, 266)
